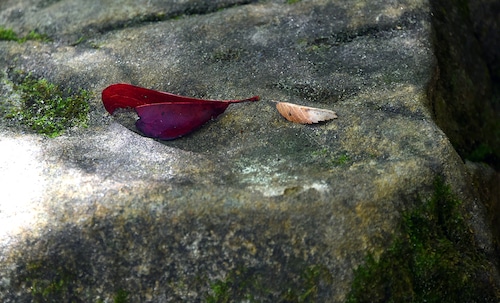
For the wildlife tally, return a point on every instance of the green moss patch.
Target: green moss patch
(47, 109)
(8, 34)
(121, 296)
(45, 285)
(249, 285)
(434, 260)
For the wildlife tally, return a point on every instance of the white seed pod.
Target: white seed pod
(304, 114)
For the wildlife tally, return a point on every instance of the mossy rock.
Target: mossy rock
(435, 259)
(48, 109)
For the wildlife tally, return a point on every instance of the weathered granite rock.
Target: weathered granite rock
(103, 211)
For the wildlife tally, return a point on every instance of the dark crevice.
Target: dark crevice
(407, 21)
(46, 3)
(161, 15)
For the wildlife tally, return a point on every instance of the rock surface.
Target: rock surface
(102, 210)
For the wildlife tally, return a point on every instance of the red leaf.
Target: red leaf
(164, 115)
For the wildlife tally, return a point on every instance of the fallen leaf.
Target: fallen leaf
(162, 115)
(304, 114)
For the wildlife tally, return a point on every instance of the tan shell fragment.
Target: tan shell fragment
(304, 114)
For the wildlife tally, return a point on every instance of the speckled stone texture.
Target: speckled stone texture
(103, 211)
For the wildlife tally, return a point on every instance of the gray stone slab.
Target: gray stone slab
(250, 191)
